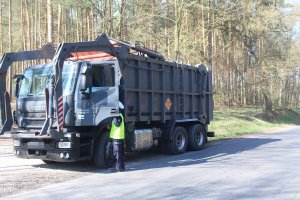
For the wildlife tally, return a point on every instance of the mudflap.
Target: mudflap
(210, 134)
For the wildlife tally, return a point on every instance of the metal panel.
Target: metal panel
(160, 91)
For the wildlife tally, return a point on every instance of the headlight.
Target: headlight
(64, 145)
(17, 143)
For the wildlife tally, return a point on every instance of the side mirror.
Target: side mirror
(85, 76)
(83, 83)
(17, 78)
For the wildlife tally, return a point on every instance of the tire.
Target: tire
(49, 162)
(179, 143)
(197, 137)
(103, 152)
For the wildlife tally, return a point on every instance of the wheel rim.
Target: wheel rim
(180, 141)
(199, 138)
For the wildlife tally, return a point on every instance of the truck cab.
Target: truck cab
(90, 99)
(30, 110)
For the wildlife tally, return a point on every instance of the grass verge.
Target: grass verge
(230, 122)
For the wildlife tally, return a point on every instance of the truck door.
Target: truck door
(103, 94)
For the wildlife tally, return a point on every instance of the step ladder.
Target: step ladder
(180, 96)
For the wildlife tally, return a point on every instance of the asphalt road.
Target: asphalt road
(260, 166)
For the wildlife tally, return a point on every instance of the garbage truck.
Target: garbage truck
(64, 108)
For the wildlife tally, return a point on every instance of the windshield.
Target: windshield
(37, 78)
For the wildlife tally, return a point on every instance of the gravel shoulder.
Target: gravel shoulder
(18, 175)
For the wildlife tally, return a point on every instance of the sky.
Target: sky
(295, 3)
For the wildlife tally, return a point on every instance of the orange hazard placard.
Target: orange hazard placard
(168, 104)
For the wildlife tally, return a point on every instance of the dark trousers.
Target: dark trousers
(119, 153)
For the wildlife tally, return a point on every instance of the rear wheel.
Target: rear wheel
(197, 137)
(103, 157)
(179, 142)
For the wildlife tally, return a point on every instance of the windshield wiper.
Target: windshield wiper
(30, 95)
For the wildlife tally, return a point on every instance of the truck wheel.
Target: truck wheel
(103, 152)
(197, 137)
(179, 142)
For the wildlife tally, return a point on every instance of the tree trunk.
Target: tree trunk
(49, 21)
(35, 41)
(110, 17)
(122, 20)
(209, 37)
(93, 28)
(82, 26)
(65, 20)
(229, 64)
(23, 44)
(87, 17)
(40, 23)
(153, 25)
(27, 25)
(167, 30)
(268, 103)
(59, 24)
(78, 24)
(177, 32)
(203, 27)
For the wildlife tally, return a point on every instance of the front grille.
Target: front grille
(32, 120)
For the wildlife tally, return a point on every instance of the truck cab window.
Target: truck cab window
(36, 78)
(103, 75)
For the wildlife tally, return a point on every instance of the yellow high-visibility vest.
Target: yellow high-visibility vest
(117, 132)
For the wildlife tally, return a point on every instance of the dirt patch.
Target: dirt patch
(288, 116)
(266, 116)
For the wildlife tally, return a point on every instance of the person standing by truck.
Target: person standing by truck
(117, 135)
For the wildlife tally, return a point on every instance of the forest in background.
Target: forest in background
(249, 44)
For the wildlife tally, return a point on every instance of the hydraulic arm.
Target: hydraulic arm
(46, 52)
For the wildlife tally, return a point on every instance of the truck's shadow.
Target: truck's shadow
(149, 160)
(213, 152)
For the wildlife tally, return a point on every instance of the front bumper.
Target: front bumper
(46, 148)
(60, 155)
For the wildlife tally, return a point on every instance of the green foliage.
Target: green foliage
(238, 121)
(248, 44)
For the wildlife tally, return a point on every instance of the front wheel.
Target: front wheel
(103, 152)
(179, 142)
